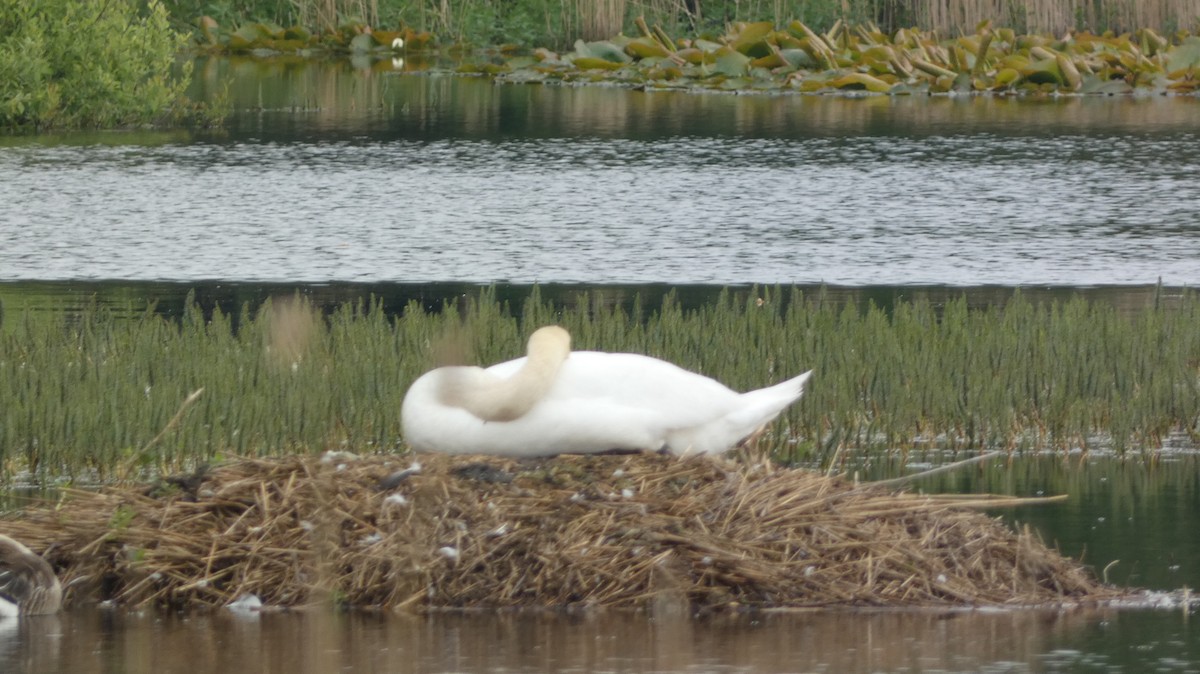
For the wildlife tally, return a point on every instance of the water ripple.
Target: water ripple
(957, 209)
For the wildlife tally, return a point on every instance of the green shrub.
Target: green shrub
(79, 63)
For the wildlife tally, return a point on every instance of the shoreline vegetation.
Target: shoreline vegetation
(74, 64)
(77, 64)
(760, 57)
(540, 23)
(96, 396)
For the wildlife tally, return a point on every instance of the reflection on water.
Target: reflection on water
(283, 100)
(89, 640)
(331, 174)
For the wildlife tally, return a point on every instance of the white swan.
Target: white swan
(28, 585)
(556, 401)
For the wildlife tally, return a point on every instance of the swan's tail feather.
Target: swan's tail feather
(755, 410)
(794, 386)
(763, 405)
(771, 400)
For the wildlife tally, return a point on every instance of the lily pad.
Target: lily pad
(1096, 85)
(594, 63)
(797, 58)
(1184, 57)
(861, 81)
(772, 60)
(752, 40)
(601, 49)
(1043, 72)
(732, 63)
(644, 47)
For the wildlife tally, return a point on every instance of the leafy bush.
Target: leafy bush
(79, 63)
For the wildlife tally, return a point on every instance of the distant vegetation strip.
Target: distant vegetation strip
(80, 64)
(558, 23)
(762, 57)
(92, 394)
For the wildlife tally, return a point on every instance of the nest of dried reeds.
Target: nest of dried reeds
(567, 531)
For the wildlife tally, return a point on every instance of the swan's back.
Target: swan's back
(683, 398)
(689, 412)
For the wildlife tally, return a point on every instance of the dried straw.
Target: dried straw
(641, 530)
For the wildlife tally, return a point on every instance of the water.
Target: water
(1131, 519)
(318, 642)
(329, 174)
(344, 182)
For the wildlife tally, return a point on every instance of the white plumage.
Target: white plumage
(557, 401)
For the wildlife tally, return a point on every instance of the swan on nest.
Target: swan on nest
(556, 401)
(28, 585)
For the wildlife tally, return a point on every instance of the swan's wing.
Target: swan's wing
(553, 426)
(674, 396)
(556, 426)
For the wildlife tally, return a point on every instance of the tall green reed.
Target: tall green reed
(89, 393)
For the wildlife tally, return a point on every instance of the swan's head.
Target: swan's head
(550, 344)
(491, 398)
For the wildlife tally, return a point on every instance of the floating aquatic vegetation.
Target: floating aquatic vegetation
(351, 38)
(759, 56)
(863, 60)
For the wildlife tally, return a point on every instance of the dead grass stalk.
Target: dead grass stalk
(567, 531)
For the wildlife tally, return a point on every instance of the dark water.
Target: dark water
(328, 173)
(1132, 519)
(170, 297)
(319, 642)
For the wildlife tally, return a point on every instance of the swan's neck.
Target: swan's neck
(493, 399)
(26, 580)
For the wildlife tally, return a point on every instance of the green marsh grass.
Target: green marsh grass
(91, 393)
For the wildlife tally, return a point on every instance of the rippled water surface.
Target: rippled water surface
(317, 642)
(331, 174)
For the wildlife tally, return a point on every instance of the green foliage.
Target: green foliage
(185, 12)
(102, 393)
(558, 23)
(78, 63)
